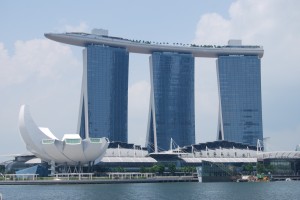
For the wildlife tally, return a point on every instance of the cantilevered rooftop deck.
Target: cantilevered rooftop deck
(147, 47)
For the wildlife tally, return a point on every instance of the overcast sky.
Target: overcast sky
(47, 75)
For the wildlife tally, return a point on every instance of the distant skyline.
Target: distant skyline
(47, 75)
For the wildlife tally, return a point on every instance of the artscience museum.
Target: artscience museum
(70, 150)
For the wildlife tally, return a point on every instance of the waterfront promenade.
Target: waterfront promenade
(157, 179)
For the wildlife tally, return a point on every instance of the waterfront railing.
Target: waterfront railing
(16, 177)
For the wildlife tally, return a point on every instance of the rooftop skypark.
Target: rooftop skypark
(101, 37)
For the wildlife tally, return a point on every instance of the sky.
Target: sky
(46, 75)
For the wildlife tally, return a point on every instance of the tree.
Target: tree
(154, 169)
(260, 168)
(185, 169)
(119, 169)
(158, 169)
(188, 169)
(269, 168)
(161, 169)
(172, 168)
(248, 168)
(143, 169)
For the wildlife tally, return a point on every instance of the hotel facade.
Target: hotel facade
(240, 110)
(172, 101)
(104, 96)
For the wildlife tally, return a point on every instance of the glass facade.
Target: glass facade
(240, 111)
(41, 170)
(220, 172)
(172, 113)
(104, 102)
(282, 166)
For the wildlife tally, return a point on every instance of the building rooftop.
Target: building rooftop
(101, 37)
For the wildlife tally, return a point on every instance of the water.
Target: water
(157, 191)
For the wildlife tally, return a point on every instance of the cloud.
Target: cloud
(82, 27)
(138, 96)
(208, 26)
(275, 26)
(64, 26)
(34, 59)
(277, 142)
(45, 75)
(206, 100)
(138, 108)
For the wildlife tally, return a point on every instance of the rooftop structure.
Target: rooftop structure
(148, 47)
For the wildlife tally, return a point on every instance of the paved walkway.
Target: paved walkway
(103, 181)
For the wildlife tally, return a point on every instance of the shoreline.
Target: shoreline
(104, 181)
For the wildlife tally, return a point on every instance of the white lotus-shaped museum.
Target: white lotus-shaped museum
(71, 150)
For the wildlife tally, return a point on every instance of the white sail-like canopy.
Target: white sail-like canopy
(71, 150)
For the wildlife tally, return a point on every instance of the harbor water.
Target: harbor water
(137, 191)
